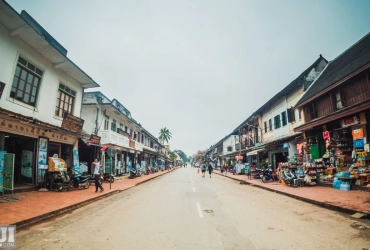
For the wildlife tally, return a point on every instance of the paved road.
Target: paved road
(182, 210)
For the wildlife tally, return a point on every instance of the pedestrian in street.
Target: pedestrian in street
(210, 169)
(97, 175)
(203, 170)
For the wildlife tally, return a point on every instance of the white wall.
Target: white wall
(276, 109)
(10, 49)
(229, 142)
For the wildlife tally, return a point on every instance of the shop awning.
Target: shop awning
(104, 147)
(254, 152)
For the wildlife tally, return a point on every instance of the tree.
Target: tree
(164, 135)
(182, 155)
(172, 156)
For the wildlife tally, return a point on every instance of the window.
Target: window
(134, 135)
(277, 122)
(126, 129)
(113, 126)
(283, 118)
(26, 82)
(65, 100)
(265, 123)
(339, 100)
(142, 138)
(299, 114)
(291, 115)
(106, 124)
(270, 125)
(229, 149)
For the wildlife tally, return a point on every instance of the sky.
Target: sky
(200, 67)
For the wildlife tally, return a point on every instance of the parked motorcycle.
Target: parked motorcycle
(108, 177)
(77, 180)
(267, 175)
(290, 178)
(133, 173)
(138, 172)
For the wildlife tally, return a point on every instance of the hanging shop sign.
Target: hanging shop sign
(358, 134)
(349, 121)
(72, 123)
(95, 139)
(2, 86)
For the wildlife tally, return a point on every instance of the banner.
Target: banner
(2, 153)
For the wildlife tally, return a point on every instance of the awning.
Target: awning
(254, 152)
(104, 147)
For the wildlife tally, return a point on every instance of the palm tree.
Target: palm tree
(164, 135)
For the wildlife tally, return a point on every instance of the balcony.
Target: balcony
(110, 137)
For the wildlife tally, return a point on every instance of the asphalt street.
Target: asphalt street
(182, 210)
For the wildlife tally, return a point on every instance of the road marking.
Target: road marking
(199, 211)
(194, 189)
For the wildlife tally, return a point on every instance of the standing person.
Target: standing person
(210, 169)
(203, 170)
(97, 175)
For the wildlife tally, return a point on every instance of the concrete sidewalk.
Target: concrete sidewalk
(345, 201)
(33, 207)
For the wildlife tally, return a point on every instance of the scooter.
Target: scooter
(267, 175)
(108, 177)
(291, 179)
(77, 180)
(138, 172)
(133, 173)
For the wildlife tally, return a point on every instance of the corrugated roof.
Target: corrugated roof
(349, 61)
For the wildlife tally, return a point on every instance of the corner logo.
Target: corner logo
(7, 236)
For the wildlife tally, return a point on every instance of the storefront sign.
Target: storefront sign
(358, 134)
(2, 86)
(42, 153)
(2, 153)
(349, 121)
(76, 163)
(8, 172)
(95, 139)
(72, 123)
(358, 143)
(34, 132)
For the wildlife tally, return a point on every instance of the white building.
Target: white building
(39, 84)
(113, 123)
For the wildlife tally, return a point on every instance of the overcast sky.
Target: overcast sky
(201, 67)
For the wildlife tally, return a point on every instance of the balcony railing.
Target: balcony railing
(111, 137)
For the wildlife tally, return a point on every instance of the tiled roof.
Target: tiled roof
(349, 61)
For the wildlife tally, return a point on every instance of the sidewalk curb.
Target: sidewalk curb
(314, 202)
(40, 218)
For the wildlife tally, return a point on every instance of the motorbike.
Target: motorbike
(291, 179)
(108, 177)
(267, 175)
(258, 173)
(138, 172)
(77, 180)
(133, 173)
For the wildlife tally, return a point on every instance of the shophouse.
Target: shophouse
(40, 97)
(111, 124)
(114, 126)
(336, 110)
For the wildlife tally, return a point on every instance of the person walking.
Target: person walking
(210, 169)
(203, 170)
(97, 175)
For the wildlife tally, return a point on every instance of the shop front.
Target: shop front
(338, 152)
(32, 143)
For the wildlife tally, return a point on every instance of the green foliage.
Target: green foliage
(164, 135)
(172, 156)
(183, 156)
